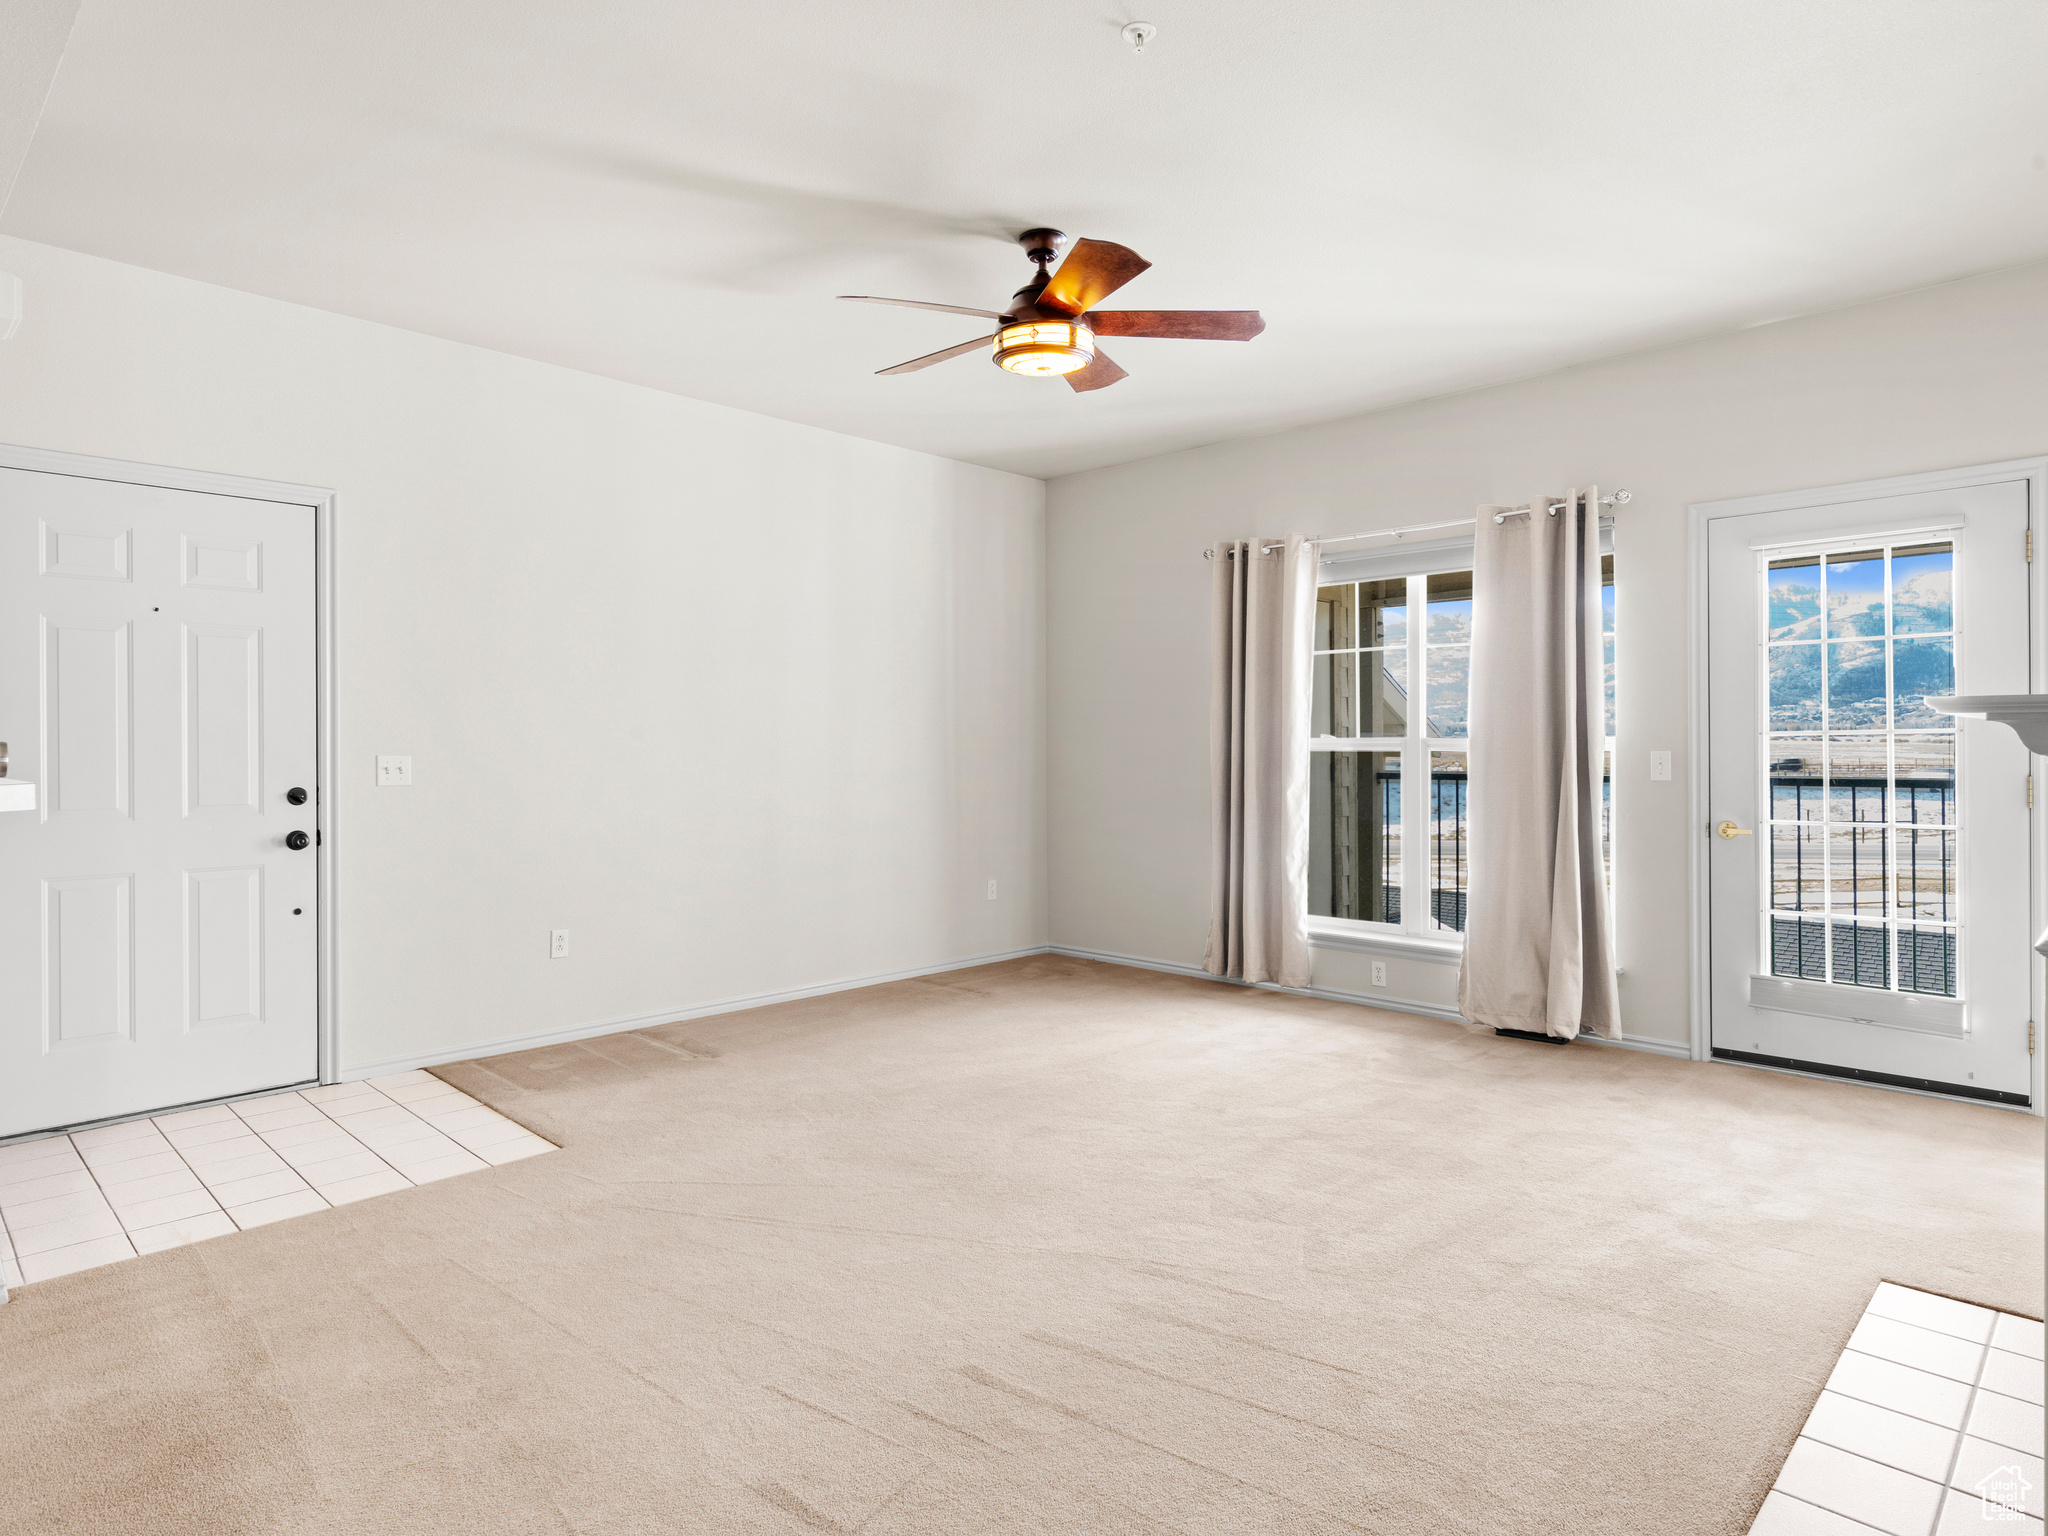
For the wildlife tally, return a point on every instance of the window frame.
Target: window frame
(1416, 935)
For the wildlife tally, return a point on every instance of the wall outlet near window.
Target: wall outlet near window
(394, 770)
(1379, 973)
(1660, 765)
(558, 944)
(991, 890)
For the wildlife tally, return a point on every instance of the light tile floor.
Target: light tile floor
(1929, 1426)
(92, 1197)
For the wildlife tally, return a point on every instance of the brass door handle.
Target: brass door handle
(1728, 830)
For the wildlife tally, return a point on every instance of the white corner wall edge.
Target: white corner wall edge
(574, 1032)
(1674, 1048)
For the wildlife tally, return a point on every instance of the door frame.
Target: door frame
(322, 501)
(1698, 515)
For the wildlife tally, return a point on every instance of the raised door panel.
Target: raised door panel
(224, 956)
(88, 961)
(223, 719)
(85, 554)
(88, 717)
(224, 562)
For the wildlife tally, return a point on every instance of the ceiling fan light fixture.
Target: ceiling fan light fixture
(1044, 347)
(1049, 329)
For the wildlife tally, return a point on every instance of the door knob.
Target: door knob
(295, 796)
(1728, 831)
(297, 840)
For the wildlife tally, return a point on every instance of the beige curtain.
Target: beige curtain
(1537, 951)
(1262, 609)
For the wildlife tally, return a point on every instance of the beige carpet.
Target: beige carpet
(1045, 1247)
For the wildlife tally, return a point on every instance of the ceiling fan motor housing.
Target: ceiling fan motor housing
(1024, 303)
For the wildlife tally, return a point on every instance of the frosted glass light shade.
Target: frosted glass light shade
(1045, 347)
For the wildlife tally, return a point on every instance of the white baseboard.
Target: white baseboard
(574, 1032)
(355, 1073)
(1364, 999)
(1677, 1050)
(1368, 999)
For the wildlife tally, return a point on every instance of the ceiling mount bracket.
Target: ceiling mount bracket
(1138, 34)
(1043, 245)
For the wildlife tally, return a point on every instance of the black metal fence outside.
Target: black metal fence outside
(1860, 943)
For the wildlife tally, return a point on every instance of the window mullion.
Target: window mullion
(1415, 785)
(1415, 793)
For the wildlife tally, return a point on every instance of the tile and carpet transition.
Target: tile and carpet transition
(1931, 1424)
(99, 1196)
(1046, 1246)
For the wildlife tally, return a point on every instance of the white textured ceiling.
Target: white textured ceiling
(1421, 195)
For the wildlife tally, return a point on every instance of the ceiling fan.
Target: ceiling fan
(1051, 324)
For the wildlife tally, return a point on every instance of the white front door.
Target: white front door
(157, 931)
(1869, 916)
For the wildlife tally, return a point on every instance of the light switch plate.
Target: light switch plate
(1660, 765)
(394, 770)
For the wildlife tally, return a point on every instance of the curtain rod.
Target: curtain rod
(1618, 499)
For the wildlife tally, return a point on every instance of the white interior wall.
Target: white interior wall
(751, 707)
(1935, 379)
(746, 706)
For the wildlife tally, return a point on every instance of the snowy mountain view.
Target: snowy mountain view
(1921, 584)
(1819, 622)
(1450, 654)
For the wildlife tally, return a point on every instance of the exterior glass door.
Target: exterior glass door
(1868, 858)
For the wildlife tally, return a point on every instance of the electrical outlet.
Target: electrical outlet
(394, 770)
(1660, 765)
(558, 944)
(991, 890)
(1379, 973)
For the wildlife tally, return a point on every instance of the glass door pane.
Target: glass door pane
(1859, 774)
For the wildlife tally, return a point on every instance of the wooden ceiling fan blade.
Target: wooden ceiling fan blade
(1187, 324)
(951, 309)
(937, 357)
(1099, 374)
(1093, 270)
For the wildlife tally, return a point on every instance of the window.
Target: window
(1393, 661)
(1859, 773)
